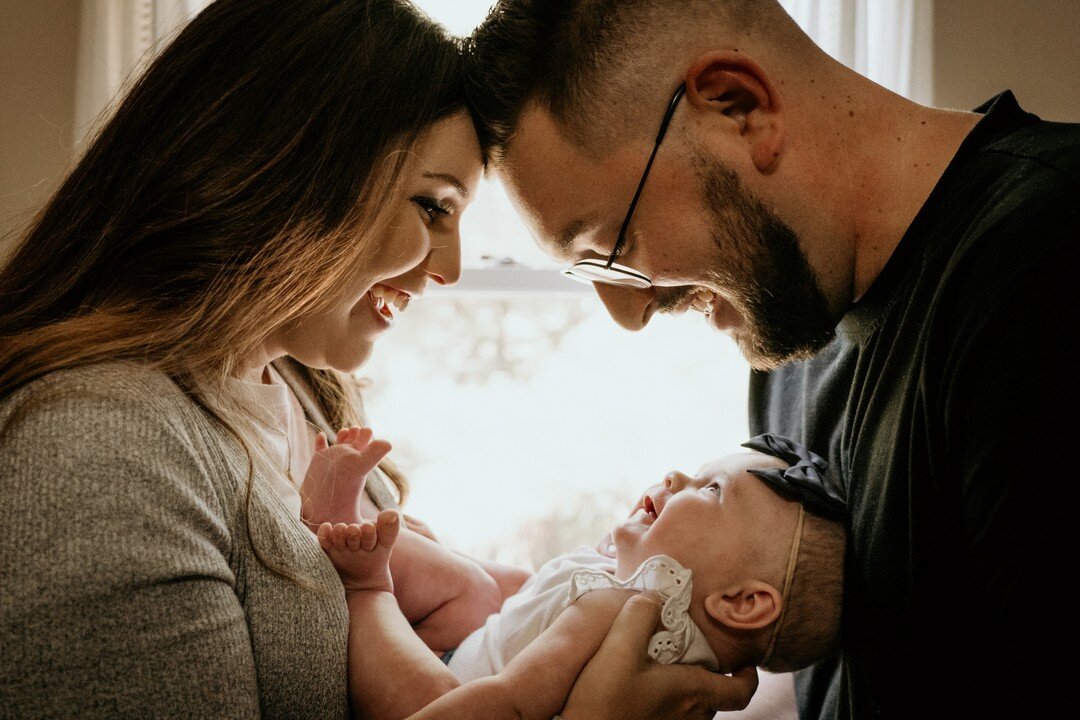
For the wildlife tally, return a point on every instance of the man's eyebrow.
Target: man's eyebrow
(450, 180)
(565, 241)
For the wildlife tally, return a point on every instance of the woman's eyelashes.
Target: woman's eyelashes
(433, 208)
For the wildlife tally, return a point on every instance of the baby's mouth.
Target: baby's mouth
(649, 507)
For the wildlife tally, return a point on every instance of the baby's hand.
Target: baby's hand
(336, 476)
(361, 552)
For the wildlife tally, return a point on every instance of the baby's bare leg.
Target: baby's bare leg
(444, 595)
(391, 673)
(508, 577)
(429, 577)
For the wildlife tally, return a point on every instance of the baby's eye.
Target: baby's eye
(713, 488)
(433, 208)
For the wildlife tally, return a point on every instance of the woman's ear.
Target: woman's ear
(751, 605)
(730, 85)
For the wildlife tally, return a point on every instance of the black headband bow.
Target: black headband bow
(806, 478)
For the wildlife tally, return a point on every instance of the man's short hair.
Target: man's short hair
(576, 58)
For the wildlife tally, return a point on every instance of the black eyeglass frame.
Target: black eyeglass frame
(591, 270)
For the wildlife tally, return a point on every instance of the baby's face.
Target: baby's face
(714, 523)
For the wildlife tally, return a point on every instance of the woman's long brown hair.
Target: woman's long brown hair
(236, 185)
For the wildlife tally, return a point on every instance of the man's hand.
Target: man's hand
(621, 682)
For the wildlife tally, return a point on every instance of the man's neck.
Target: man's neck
(862, 163)
(902, 160)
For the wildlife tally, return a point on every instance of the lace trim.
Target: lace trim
(664, 575)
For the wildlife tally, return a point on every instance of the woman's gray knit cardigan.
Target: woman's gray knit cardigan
(128, 586)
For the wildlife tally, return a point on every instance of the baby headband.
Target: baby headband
(806, 478)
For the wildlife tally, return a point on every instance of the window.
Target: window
(481, 395)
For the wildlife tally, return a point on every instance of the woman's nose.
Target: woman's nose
(444, 261)
(629, 307)
(676, 481)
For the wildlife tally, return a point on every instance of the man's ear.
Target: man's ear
(750, 605)
(732, 85)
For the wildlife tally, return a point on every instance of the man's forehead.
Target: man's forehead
(559, 189)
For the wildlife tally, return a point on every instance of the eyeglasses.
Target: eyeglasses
(611, 273)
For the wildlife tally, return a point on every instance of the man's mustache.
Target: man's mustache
(668, 298)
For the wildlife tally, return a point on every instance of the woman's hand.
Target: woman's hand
(621, 682)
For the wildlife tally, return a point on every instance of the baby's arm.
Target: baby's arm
(393, 675)
(537, 682)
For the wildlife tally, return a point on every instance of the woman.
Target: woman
(280, 168)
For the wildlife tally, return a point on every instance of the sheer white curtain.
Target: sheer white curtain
(888, 41)
(116, 38)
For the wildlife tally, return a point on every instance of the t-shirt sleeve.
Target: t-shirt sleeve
(117, 596)
(1008, 408)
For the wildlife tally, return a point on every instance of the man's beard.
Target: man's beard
(764, 275)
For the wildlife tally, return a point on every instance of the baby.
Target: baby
(746, 558)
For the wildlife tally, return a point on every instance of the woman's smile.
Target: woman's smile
(385, 300)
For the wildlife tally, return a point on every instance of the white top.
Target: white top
(558, 583)
(287, 437)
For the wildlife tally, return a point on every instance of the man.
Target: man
(900, 278)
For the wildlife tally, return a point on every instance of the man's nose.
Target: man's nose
(629, 307)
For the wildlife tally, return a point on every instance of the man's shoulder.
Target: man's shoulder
(1043, 147)
(1013, 216)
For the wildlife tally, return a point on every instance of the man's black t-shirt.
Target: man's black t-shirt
(946, 406)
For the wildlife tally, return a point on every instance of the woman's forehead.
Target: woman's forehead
(450, 142)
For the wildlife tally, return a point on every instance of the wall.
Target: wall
(982, 47)
(38, 42)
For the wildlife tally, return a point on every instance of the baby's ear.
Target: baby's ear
(750, 605)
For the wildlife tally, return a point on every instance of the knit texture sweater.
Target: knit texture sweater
(128, 582)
